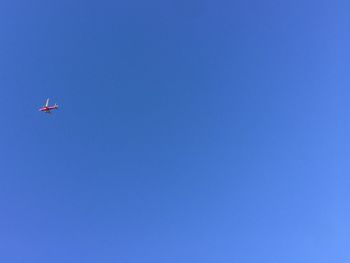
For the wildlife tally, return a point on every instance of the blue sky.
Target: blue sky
(189, 131)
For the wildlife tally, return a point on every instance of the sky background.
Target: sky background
(189, 131)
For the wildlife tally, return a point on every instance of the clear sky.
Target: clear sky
(189, 131)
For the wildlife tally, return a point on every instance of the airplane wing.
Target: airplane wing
(47, 103)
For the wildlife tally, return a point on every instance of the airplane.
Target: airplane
(47, 108)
